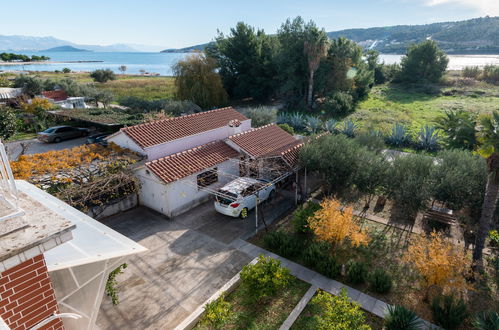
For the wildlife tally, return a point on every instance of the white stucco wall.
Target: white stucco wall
(189, 142)
(124, 141)
(180, 196)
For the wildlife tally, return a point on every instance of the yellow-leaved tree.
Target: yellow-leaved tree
(337, 225)
(440, 263)
(37, 104)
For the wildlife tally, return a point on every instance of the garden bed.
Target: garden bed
(269, 315)
(306, 320)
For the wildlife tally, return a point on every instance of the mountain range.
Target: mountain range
(473, 36)
(18, 43)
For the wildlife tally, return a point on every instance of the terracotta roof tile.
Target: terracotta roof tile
(182, 164)
(56, 95)
(265, 140)
(165, 130)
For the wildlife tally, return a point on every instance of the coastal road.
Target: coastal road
(35, 147)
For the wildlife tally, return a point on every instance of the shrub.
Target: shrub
(297, 121)
(103, 75)
(66, 70)
(173, 107)
(330, 125)
(380, 281)
(491, 74)
(356, 271)
(313, 124)
(448, 311)
(372, 140)
(287, 128)
(264, 279)
(471, 72)
(424, 62)
(339, 104)
(400, 318)
(428, 139)
(301, 215)
(337, 312)
(494, 237)
(318, 256)
(488, 320)
(399, 136)
(216, 313)
(261, 116)
(30, 85)
(8, 123)
(284, 244)
(349, 128)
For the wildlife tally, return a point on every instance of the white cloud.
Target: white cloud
(484, 7)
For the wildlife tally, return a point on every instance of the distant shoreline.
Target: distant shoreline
(46, 62)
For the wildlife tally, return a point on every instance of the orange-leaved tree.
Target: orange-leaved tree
(37, 105)
(439, 262)
(337, 225)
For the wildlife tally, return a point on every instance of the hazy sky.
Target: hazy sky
(184, 23)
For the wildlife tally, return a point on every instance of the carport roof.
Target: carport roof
(177, 166)
(265, 141)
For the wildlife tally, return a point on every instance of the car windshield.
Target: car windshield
(227, 197)
(49, 130)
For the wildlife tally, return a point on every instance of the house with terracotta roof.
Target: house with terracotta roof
(61, 98)
(178, 182)
(168, 136)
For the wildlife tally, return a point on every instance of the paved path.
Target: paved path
(293, 316)
(368, 303)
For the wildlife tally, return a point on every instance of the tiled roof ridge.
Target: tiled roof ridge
(253, 130)
(176, 118)
(296, 146)
(177, 154)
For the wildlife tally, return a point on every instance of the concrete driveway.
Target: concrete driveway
(37, 147)
(189, 259)
(163, 286)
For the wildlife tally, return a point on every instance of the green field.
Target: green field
(417, 106)
(145, 87)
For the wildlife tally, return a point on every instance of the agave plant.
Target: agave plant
(348, 128)
(313, 125)
(282, 118)
(399, 318)
(399, 136)
(428, 138)
(330, 125)
(297, 121)
(488, 320)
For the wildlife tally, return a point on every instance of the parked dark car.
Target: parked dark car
(98, 138)
(59, 133)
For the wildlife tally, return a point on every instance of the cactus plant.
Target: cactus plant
(399, 136)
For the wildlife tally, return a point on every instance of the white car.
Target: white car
(239, 196)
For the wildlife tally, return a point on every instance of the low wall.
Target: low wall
(117, 206)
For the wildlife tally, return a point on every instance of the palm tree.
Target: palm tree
(315, 48)
(489, 137)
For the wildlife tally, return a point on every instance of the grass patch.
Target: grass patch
(306, 319)
(391, 103)
(19, 136)
(263, 316)
(148, 88)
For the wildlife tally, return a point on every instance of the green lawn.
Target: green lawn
(22, 136)
(269, 315)
(388, 104)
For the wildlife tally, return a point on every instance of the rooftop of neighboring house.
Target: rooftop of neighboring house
(10, 93)
(182, 164)
(166, 130)
(56, 96)
(266, 141)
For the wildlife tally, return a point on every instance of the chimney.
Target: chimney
(234, 127)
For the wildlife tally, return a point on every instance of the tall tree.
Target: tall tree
(489, 137)
(197, 80)
(423, 62)
(245, 61)
(315, 47)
